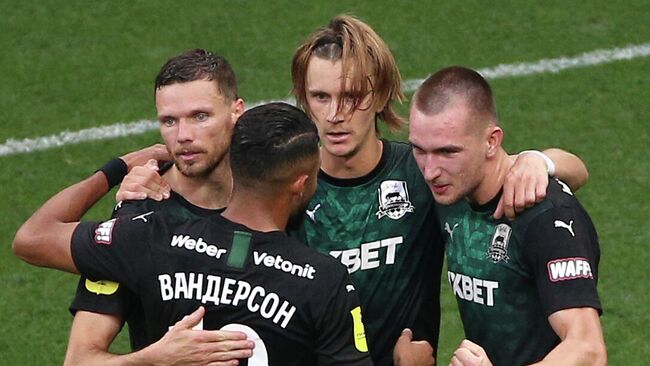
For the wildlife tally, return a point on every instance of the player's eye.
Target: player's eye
(201, 116)
(321, 97)
(168, 122)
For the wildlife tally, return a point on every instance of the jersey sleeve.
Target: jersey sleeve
(341, 334)
(102, 297)
(116, 250)
(562, 250)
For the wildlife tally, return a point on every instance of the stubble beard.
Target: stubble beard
(199, 169)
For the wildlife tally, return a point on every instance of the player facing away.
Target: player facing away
(299, 306)
(526, 288)
(372, 209)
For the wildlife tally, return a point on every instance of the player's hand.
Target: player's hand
(524, 185)
(156, 152)
(182, 345)
(470, 354)
(408, 352)
(143, 182)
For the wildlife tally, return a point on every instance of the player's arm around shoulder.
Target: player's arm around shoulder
(44, 239)
(582, 338)
(527, 180)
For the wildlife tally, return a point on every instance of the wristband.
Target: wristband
(550, 165)
(115, 170)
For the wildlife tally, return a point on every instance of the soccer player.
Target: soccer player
(372, 209)
(299, 306)
(526, 289)
(197, 104)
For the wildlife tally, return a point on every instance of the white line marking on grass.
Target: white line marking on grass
(553, 65)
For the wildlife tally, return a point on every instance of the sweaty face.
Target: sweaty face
(447, 152)
(196, 124)
(342, 133)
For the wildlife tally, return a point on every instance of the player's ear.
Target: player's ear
(237, 109)
(299, 183)
(494, 140)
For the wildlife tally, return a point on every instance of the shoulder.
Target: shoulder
(559, 199)
(325, 266)
(398, 147)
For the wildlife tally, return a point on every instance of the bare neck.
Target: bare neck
(258, 211)
(354, 166)
(494, 174)
(211, 191)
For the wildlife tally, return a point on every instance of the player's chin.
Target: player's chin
(444, 198)
(194, 169)
(341, 150)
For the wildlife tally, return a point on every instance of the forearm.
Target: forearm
(582, 338)
(575, 353)
(44, 239)
(91, 336)
(569, 168)
(101, 357)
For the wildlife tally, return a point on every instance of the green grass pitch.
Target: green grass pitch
(70, 65)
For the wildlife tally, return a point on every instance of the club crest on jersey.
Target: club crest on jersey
(498, 250)
(393, 199)
(104, 232)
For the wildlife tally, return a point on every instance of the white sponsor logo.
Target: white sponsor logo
(198, 245)
(277, 262)
(562, 224)
(393, 199)
(104, 232)
(472, 289)
(569, 269)
(143, 217)
(565, 187)
(367, 255)
(311, 213)
(226, 291)
(450, 230)
(349, 288)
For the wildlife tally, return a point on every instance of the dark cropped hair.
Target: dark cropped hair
(199, 64)
(269, 141)
(451, 83)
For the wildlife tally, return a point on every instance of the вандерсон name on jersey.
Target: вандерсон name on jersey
(226, 291)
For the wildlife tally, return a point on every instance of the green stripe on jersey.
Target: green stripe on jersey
(241, 241)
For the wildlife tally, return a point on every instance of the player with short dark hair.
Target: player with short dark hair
(299, 306)
(196, 98)
(526, 288)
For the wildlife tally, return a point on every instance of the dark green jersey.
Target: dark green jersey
(382, 227)
(509, 276)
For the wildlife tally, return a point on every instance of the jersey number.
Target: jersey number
(260, 356)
